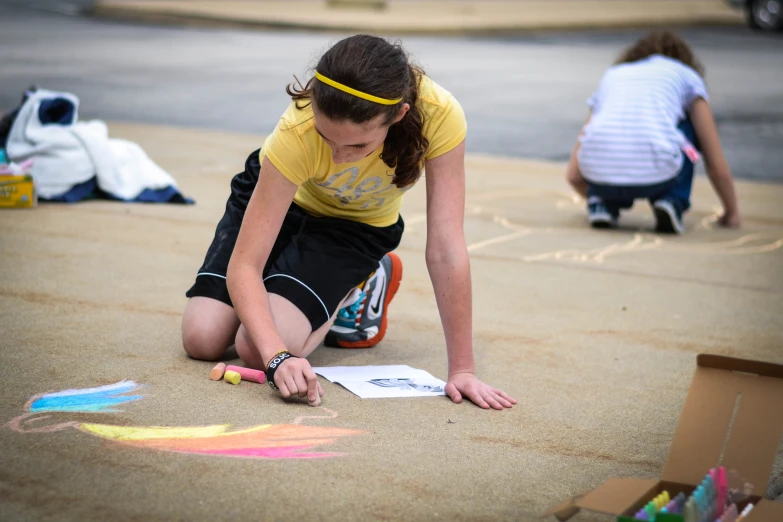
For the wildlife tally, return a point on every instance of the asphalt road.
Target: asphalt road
(524, 96)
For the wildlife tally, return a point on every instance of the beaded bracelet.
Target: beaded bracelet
(270, 360)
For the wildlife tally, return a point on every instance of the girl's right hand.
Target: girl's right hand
(295, 376)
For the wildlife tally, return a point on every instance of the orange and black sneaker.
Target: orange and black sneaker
(362, 324)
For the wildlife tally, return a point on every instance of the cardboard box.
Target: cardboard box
(733, 417)
(17, 192)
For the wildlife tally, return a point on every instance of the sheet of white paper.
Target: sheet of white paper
(365, 373)
(373, 382)
(390, 388)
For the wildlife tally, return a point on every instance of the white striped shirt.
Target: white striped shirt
(632, 136)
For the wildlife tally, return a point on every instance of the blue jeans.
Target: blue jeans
(677, 190)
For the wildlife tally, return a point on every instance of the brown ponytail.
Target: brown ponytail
(372, 65)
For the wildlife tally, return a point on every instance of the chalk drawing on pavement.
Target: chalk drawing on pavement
(267, 441)
(616, 244)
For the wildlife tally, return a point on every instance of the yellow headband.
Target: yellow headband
(358, 94)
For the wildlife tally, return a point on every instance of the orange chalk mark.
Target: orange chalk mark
(265, 441)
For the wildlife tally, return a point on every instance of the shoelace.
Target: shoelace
(349, 313)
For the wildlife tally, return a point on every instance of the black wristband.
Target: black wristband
(274, 364)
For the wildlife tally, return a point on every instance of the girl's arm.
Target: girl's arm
(717, 168)
(260, 226)
(449, 268)
(573, 175)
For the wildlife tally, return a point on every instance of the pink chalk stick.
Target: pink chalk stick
(248, 374)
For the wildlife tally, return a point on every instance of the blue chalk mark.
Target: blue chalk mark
(116, 387)
(101, 399)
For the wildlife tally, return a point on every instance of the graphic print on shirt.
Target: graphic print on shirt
(347, 192)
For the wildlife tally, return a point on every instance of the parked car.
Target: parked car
(764, 15)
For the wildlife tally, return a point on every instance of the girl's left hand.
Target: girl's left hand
(481, 394)
(729, 220)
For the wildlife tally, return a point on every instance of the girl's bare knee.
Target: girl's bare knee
(199, 344)
(208, 328)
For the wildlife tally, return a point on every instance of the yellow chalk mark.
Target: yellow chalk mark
(640, 244)
(504, 222)
(761, 249)
(599, 255)
(574, 200)
(330, 414)
(496, 240)
(728, 247)
(708, 222)
(755, 243)
(132, 433)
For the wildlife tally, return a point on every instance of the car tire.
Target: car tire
(764, 15)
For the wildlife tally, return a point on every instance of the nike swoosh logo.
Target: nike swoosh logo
(377, 309)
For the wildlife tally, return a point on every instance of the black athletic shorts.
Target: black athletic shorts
(315, 261)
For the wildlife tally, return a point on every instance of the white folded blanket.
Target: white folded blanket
(67, 152)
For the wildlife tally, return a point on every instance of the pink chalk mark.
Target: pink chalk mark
(330, 414)
(286, 452)
(18, 424)
(276, 435)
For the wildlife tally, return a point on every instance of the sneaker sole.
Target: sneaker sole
(395, 279)
(602, 221)
(665, 222)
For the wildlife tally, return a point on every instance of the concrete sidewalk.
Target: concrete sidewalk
(595, 332)
(427, 16)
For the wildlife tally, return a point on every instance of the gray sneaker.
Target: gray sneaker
(362, 324)
(668, 218)
(599, 215)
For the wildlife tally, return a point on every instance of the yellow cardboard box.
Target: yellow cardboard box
(17, 192)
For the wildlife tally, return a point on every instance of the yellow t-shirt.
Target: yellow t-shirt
(363, 190)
